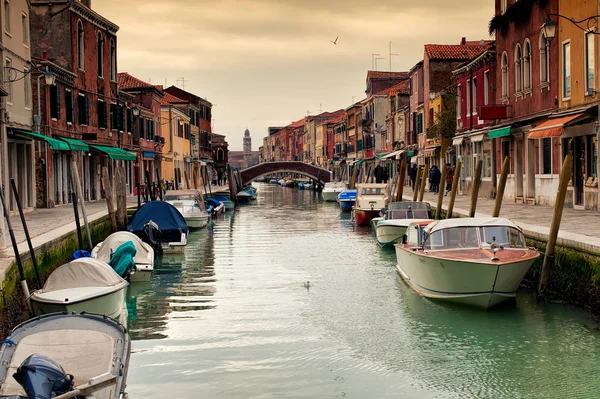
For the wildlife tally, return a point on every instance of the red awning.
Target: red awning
(430, 151)
(552, 127)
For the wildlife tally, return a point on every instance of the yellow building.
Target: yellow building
(176, 151)
(319, 140)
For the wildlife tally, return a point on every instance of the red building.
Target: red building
(527, 82)
(220, 149)
(84, 107)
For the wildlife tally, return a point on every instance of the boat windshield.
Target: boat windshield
(470, 237)
(414, 235)
(175, 197)
(508, 237)
(371, 191)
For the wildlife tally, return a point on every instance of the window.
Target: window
(419, 123)
(518, 69)
(589, 64)
(505, 236)
(474, 96)
(100, 55)
(547, 156)
(129, 120)
(7, 16)
(54, 102)
(113, 60)
(505, 149)
(179, 128)
(504, 75)
(527, 65)
(566, 70)
(25, 28)
(430, 116)
(70, 106)
(83, 108)
(80, 45)
(486, 88)
(458, 104)
(27, 89)
(102, 117)
(142, 126)
(544, 59)
(468, 97)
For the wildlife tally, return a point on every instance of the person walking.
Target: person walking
(220, 176)
(449, 177)
(412, 173)
(434, 179)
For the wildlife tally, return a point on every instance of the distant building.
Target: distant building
(237, 159)
(220, 151)
(247, 146)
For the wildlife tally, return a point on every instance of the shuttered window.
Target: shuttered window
(55, 102)
(70, 106)
(102, 118)
(83, 107)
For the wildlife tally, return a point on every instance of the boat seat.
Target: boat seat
(398, 214)
(420, 214)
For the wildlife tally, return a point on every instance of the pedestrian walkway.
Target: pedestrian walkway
(579, 229)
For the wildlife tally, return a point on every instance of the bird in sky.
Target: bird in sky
(334, 41)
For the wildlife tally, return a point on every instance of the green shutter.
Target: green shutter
(119, 118)
(104, 115)
(86, 111)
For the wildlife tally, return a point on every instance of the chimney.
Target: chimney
(463, 41)
(87, 3)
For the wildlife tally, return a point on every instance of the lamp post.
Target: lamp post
(50, 79)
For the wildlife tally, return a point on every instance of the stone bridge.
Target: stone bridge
(314, 172)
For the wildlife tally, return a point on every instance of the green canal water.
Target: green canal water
(232, 318)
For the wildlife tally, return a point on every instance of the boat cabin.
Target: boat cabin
(372, 196)
(408, 210)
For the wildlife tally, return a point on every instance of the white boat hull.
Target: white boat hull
(196, 222)
(330, 196)
(389, 234)
(476, 284)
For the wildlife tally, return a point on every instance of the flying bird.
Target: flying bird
(334, 41)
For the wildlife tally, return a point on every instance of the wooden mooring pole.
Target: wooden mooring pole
(81, 200)
(121, 194)
(565, 174)
(400, 191)
(423, 182)
(108, 193)
(475, 189)
(417, 183)
(454, 190)
(187, 179)
(440, 199)
(501, 187)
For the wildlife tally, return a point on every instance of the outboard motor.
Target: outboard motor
(154, 235)
(43, 378)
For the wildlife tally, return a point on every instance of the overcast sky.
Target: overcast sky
(267, 62)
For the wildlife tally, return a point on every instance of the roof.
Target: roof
(336, 119)
(386, 75)
(298, 123)
(454, 51)
(469, 222)
(178, 92)
(170, 99)
(126, 81)
(399, 88)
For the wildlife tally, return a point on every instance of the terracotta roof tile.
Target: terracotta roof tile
(386, 75)
(454, 51)
(126, 81)
(400, 88)
(297, 124)
(170, 99)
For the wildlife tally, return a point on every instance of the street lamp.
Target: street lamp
(135, 111)
(50, 79)
(549, 29)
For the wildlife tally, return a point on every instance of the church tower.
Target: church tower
(247, 146)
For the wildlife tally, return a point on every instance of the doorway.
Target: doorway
(579, 174)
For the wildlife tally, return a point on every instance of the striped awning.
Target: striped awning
(552, 127)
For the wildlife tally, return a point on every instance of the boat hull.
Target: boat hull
(375, 222)
(330, 196)
(346, 206)
(480, 285)
(363, 217)
(229, 205)
(196, 222)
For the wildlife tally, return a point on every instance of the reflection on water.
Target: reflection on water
(233, 317)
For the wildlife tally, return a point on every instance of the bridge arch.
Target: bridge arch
(314, 172)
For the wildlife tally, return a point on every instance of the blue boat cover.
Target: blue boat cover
(122, 259)
(165, 215)
(80, 253)
(347, 195)
(221, 198)
(213, 202)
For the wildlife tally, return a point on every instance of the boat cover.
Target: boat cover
(221, 198)
(414, 205)
(347, 195)
(165, 215)
(469, 222)
(122, 259)
(83, 272)
(215, 203)
(113, 241)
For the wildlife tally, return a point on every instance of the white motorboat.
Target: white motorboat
(144, 257)
(391, 227)
(83, 285)
(191, 206)
(473, 261)
(54, 353)
(332, 190)
(371, 198)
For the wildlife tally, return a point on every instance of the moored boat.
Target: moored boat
(229, 205)
(144, 257)
(217, 206)
(346, 200)
(53, 354)
(83, 285)
(371, 198)
(332, 190)
(472, 261)
(189, 203)
(161, 225)
(392, 226)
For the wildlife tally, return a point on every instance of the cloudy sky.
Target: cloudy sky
(268, 62)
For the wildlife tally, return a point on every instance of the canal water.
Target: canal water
(234, 317)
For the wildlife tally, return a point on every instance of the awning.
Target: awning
(477, 138)
(55, 144)
(410, 153)
(552, 127)
(359, 162)
(382, 156)
(458, 140)
(501, 132)
(393, 154)
(149, 154)
(430, 151)
(115, 152)
(76, 145)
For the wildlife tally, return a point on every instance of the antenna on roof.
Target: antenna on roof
(320, 107)
(165, 82)
(391, 54)
(182, 82)
(373, 55)
(378, 58)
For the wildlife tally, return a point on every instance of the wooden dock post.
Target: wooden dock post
(79, 190)
(187, 179)
(565, 174)
(121, 191)
(195, 175)
(109, 198)
(400, 187)
(501, 187)
(417, 183)
(475, 190)
(454, 190)
(423, 182)
(440, 200)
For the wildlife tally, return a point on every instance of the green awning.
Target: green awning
(76, 145)
(502, 132)
(115, 153)
(381, 156)
(359, 162)
(410, 153)
(54, 143)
